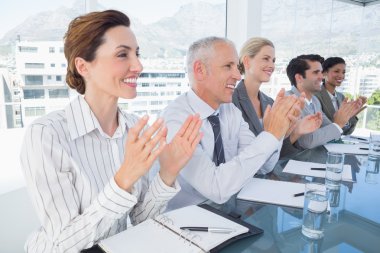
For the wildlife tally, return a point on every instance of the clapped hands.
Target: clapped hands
(143, 147)
(285, 111)
(178, 152)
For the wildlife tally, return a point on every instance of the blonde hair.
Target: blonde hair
(250, 48)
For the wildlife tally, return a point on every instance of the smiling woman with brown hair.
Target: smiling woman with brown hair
(86, 166)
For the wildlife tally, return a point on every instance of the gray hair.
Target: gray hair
(202, 49)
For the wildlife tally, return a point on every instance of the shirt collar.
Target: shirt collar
(199, 106)
(331, 95)
(81, 120)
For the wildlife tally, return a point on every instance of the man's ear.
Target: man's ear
(299, 78)
(81, 66)
(199, 70)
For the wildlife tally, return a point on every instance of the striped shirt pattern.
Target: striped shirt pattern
(69, 164)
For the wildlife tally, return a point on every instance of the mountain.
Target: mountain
(168, 37)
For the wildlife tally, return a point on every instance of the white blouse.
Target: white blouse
(69, 165)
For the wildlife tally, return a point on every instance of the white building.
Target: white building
(41, 66)
(10, 107)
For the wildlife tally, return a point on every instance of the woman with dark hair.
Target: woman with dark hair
(86, 166)
(334, 70)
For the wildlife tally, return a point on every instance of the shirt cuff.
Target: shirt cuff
(340, 129)
(270, 144)
(163, 191)
(115, 201)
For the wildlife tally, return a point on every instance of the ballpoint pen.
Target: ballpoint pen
(359, 138)
(210, 229)
(318, 168)
(299, 194)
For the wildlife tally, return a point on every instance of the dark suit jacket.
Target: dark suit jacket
(241, 100)
(329, 110)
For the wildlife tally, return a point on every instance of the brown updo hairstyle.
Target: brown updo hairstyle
(250, 48)
(84, 36)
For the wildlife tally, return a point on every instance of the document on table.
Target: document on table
(355, 139)
(304, 168)
(273, 192)
(356, 149)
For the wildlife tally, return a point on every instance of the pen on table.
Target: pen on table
(299, 194)
(318, 168)
(210, 229)
(358, 138)
(364, 148)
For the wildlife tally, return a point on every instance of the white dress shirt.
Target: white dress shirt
(69, 164)
(245, 154)
(334, 100)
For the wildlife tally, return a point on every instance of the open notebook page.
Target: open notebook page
(196, 216)
(163, 234)
(148, 236)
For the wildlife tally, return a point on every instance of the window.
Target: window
(61, 50)
(34, 111)
(58, 78)
(27, 49)
(33, 80)
(49, 77)
(52, 65)
(34, 94)
(51, 50)
(34, 65)
(58, 93)
(63, 65)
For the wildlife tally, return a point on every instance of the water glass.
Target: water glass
(334, 168)
(333, 205)
(314, 208)
(374, 145)
(372, 172)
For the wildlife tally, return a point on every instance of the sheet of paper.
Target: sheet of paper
(355, 139)
(304, 168)
(357, 149)
(273, 192)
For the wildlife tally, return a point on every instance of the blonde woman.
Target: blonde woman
(257, 63)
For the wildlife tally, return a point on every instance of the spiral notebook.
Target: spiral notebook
(163, 234)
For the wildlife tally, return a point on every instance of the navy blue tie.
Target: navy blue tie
(218, 156)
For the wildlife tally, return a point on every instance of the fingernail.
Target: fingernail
(145, 117)
(160, 120)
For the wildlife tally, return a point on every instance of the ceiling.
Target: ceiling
(361, 2)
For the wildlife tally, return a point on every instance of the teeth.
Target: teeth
(129, 80)
(231, 86)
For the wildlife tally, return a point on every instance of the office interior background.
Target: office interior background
(33, 67)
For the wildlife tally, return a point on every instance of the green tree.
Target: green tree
(373, 114)
(374, 99)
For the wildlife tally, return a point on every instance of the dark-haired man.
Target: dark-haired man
(305, 75)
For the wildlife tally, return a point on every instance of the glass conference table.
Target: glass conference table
(353, 226)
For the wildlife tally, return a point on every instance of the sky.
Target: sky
(14, 12)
